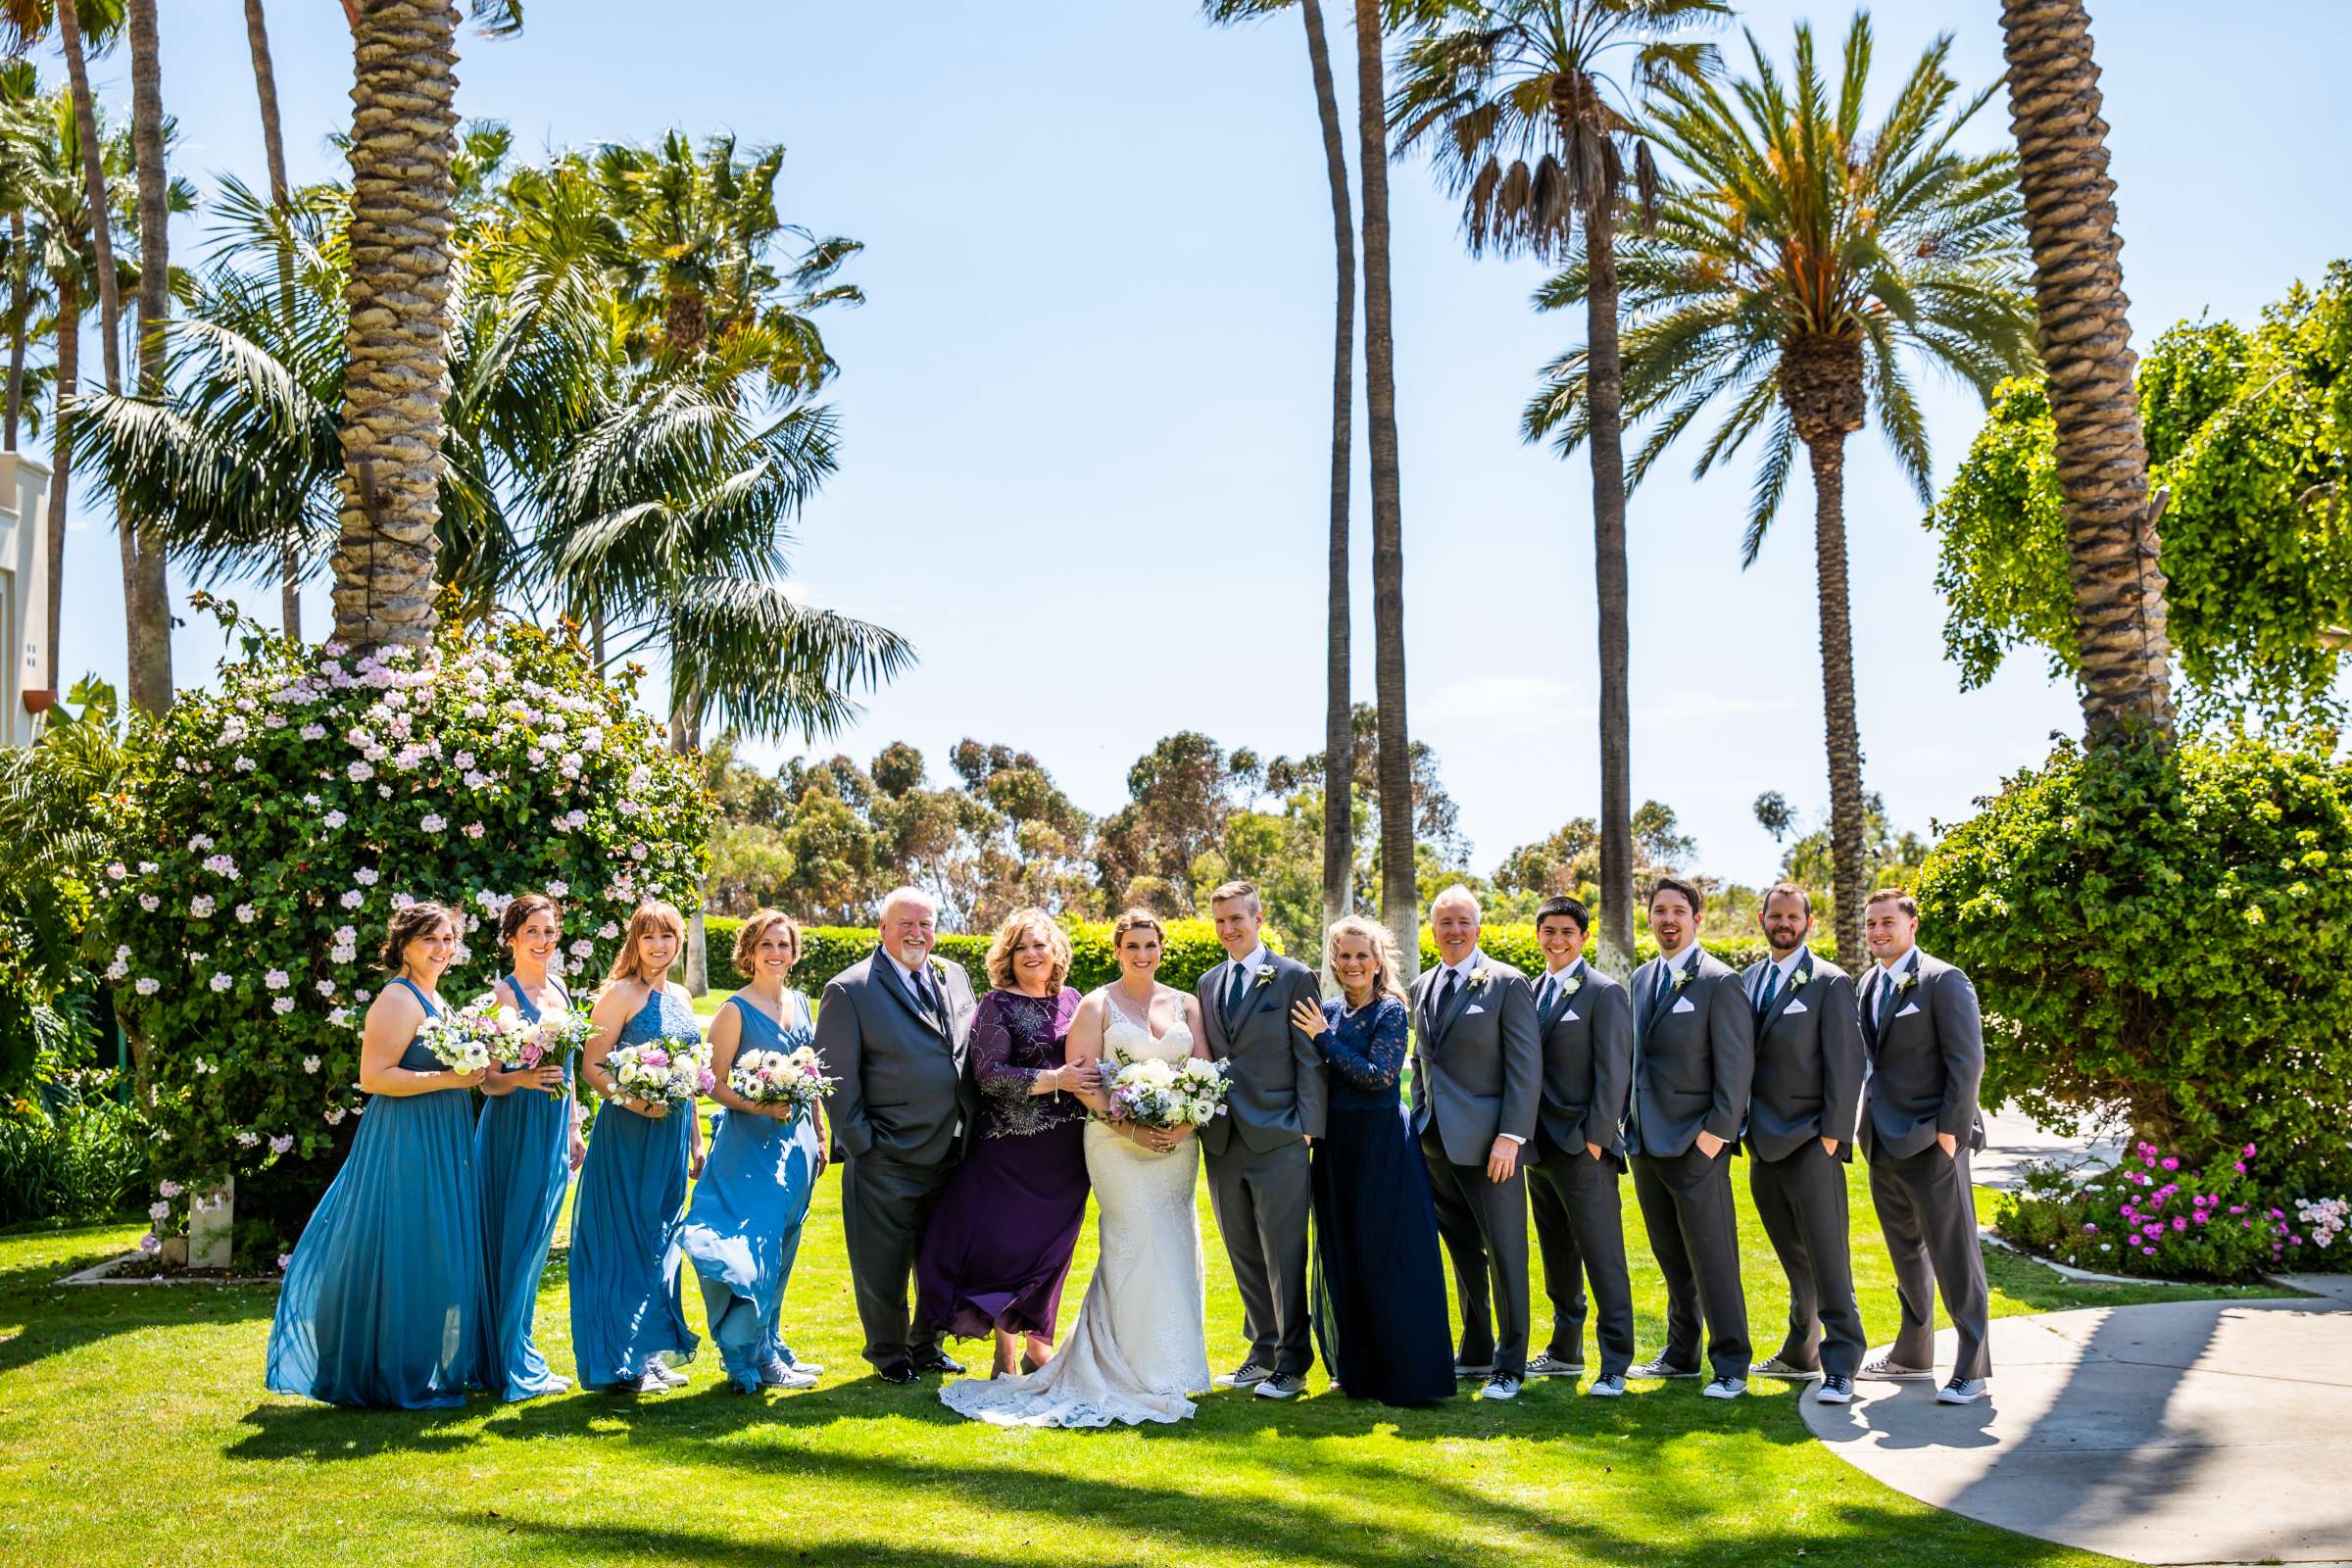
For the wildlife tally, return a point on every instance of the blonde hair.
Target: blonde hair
(756, 927)
(1131, 920)
(1018, 924)
(1385, 978)
(626, 965)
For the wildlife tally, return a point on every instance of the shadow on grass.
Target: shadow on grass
(60, 1318)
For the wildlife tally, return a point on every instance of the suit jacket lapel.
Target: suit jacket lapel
(1461, 999)
(895, 983)
(1560, 997)
(1665, 1003)
(1799, 978)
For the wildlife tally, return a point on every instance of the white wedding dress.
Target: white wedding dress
(1140, 1344)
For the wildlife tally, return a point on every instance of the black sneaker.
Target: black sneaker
(1548, 1365)
(1662, 1368)
(1249, 1375)
(1834, 1389)
(1280, 1386)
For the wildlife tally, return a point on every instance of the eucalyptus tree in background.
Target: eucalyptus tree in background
(2110, 540)
(1400, 898)
(274, 154)
(1521, 109)
(1785, 283)
(1338, 817)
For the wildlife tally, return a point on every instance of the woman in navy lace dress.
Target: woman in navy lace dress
(1379, 1298)
(999, 1248)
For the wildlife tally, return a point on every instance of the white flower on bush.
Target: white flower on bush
(159, 1210)
(245, 1139)
(118, 970)
(340, 1017)
(278, 979)
(279, 1145)
(573, 821)
(626, 808)
(583, 946)
(359, 736)
(556, 887)
(146, 985)
(200, 842)
(474, 830)
(478, 780)
(432, 822)
(637, 852)
(333, 819)
(148, 869)
(365, 877)
(169, 1189)
(360, 772)
(281, 1005)
(592, 739)
(334, 1117)
(327, 988)
(352, 898)
(245, 765)
(150, 902)
(342, 954)
(221, 865)
(220, 982)
(201, 906)
(245, 915)
(151, 1244)
(116, 870)
(401, 900)
(463, 761)
(309, 1064)
(609, 930)
(313, 732)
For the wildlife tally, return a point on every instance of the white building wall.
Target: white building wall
(23, 594)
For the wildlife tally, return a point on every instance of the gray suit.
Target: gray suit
(1478, 1072)
(1694, 1053)
(901, 1112)
(1807, 1087)
(1588, 1036)
(1926, 1057)
(1258, 1178)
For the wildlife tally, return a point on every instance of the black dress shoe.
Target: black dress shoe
(935, 1361)
(900, 1374)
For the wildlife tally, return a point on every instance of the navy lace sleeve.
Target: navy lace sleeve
(1366, 1048)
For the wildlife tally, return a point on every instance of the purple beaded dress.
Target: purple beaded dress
(1000, 1242)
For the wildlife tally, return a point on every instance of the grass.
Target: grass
(134, 1429)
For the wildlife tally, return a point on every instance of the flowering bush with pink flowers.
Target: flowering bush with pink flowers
(282, 818)
(2157, 1213)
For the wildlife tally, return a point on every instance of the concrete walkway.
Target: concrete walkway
(2180, 1432)
(2013, 1140)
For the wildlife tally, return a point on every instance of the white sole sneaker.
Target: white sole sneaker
(1889, 1372)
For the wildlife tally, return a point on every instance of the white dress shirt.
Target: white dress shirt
(1779, 987)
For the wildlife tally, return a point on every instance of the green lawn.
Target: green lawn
(133, 1429)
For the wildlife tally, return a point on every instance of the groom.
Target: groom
(893, 1029)
(1257, 1163)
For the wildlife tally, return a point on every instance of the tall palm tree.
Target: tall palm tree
(22, 116)
(1338, 816)
(1524, 119)
(2110, 542)
(274, 154)
(151, 649)
(1400, 899)
(395, 385)
(1791, 276)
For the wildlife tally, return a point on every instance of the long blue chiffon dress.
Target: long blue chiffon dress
(386, 1299)
(743, 1229)
(627, 1304)
(522, 1146)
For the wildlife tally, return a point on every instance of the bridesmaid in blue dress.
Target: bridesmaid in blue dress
(743, 1229)
(1378, 1299)
(385, 1301)
(627, 1308)
(526, 1146)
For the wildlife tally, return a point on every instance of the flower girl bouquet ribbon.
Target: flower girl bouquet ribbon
(795, 1078)
(1167, 1094)
(676, 1070)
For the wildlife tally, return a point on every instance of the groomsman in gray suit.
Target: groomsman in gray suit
(893, 1028)
(1694, 1052)
(1919, 1126)
(1801, 1135)
(1586, 1021)
(1478, 1075)
(1257, 1153)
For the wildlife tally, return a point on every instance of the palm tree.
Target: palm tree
(1399, 898)
(395, 385)
(1339, 820)
(151, 646)
(1792, 276)
(22, 116)
(273, 152)
(2111, 539)
(1524, 121)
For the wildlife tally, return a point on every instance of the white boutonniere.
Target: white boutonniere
(1478, 979)
(1682, 978)
(1263, 975)
(1572, 985)
(1905, 981)
(1804, 975)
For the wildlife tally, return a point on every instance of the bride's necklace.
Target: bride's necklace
(1119, 1005)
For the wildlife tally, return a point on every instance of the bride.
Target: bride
(1138, 1348)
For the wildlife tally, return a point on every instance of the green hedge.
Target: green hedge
(1193, 950)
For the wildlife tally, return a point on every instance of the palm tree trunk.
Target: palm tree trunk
(1847, 822)
(404, 125)
(151, 674)
(2111, 538)
(1400, 905)
(61, 459)
(273, 151)
(1339, 728)
(1604, 395)
(18, 325)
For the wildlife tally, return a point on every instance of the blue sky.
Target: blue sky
(1086, 411)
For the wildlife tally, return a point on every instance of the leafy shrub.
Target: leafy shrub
(2166, 930)
(281, 820)
(82, 1155)
(2156, 1214)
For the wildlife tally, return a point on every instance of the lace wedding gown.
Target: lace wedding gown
(1139, 1344)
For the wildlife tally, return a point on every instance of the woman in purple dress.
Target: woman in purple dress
(999, 1248)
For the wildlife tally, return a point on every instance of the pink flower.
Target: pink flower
(151, 1244)
(2241, 1166)
(169, 1189)
(2179, 1222)
(284, 1259)
(2249, 1151)
(2171, 1163)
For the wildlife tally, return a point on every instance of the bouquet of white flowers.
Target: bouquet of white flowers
(1166, 1094)
(676, 1070)
(553, 1038)
(795, 1077)
(470, 1038)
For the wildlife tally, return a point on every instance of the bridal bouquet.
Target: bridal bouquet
(553, 1038)
(472, 1038)
(1166, 1094)
(676, 1070)
(795, 1078)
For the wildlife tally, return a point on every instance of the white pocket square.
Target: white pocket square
(1793, 1006)
(1568, 1017)
(1683, 1005)
(1909, 1008)
(1474, 1010)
